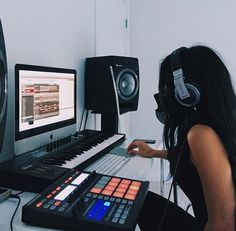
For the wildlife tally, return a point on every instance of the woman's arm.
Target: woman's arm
(145, 150)
(211, 161)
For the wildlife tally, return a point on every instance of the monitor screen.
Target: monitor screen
(45, 99)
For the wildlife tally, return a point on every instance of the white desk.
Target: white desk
(144, 168)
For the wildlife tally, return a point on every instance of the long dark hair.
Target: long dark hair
(204, 68)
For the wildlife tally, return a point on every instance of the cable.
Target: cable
(188, 207)
(15, 196)
(81, 120)
(172, 184)
(116, 97)
(86, 118)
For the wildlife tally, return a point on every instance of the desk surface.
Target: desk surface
(137, 168)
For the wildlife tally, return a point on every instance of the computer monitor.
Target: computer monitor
(45, 105)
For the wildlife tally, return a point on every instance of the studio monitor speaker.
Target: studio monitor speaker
(3, 87)
(102, 74)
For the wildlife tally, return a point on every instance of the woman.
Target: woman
(197, 103)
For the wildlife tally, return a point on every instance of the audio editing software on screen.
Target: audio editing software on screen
(45, 98)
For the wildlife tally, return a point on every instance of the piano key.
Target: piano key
(91, 152)
(79, 153)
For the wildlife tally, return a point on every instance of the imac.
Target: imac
(45, 106)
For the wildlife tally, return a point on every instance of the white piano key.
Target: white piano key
(91, 152)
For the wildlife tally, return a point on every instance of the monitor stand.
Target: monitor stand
(109, 122)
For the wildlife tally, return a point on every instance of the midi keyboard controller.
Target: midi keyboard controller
(83, 201)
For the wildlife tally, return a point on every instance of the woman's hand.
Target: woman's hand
(145, 150)
(142, 149)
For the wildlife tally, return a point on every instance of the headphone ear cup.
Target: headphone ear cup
(191, 101)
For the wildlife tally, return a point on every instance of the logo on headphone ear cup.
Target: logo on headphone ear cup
(186, 94)
(192, 100)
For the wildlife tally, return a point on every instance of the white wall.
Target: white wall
(112, 38)
(50, 33)
(158, 27)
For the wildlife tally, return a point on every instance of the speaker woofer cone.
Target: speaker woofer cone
(127, 84)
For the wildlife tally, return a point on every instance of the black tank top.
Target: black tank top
(187, 176)
(188, 179)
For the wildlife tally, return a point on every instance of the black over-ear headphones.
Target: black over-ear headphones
(186, 94)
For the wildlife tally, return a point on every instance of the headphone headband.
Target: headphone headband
(175, 58)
